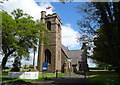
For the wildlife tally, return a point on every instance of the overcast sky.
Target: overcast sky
(67, 12)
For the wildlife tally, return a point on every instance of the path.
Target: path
(73, 79)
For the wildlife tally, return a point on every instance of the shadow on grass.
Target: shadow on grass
(104, 78)
(18, 82)
(7, 79)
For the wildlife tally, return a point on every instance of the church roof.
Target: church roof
(66, 50)
(74, 55)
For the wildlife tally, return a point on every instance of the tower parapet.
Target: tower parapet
(43, 14)
(54, 15)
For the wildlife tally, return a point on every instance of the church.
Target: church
(58, 57)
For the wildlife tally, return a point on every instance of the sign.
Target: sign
(44, 66)
(23, 75)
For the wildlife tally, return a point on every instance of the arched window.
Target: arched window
(48, 56)
(49, 25)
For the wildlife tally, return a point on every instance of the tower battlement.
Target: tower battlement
(54, 15)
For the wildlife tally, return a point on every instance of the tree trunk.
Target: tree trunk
(5, 58)
(34, 60)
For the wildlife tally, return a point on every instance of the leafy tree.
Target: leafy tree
(102, 65)
(34, 56)
(17, 62)
(31, 66)
(20, 34)
(8, 26)
(108, 40)
(3, 1)
(106, 16)
(0, 31)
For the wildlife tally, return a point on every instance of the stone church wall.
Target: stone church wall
(65, 63)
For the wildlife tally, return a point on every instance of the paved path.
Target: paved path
(73, 79)
(73, 76)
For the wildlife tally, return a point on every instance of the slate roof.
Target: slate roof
(65, 50)
(74, 55)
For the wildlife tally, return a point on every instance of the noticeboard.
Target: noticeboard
(44, 66)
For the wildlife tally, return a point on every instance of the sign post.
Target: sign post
(44, 67)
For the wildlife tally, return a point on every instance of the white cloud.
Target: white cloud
(28, 6)
(69, 36)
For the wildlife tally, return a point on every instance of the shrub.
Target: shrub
(16, 69)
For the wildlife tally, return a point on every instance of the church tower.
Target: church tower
(51, 53)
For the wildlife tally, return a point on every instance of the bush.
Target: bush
(16, 69)
(97, 68)
(31, 66)
(110, 68)
(25, 66)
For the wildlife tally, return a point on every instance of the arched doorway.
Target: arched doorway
(48, 56)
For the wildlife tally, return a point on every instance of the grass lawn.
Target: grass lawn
(41, 76)
(104, 78)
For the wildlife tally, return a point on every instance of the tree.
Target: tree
(108, 40)
(34, 57)
(7, 35)
(106, 16)
(16, 64)
(3, 1)
(20, 34)
(102, 65)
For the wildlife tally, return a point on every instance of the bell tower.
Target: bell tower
(51, 53)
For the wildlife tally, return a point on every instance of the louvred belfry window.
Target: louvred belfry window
(49, 26)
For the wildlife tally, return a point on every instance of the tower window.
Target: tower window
(48, 56)
(59, 28)
(49, 25)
